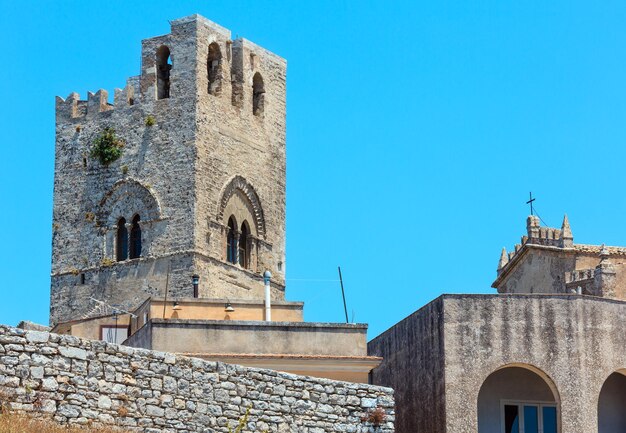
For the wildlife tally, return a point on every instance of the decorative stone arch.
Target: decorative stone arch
(126, 199)
(131, 202)
(241, 188)
(611, 403)
(489, 392)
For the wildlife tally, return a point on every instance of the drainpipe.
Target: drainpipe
(268, 305)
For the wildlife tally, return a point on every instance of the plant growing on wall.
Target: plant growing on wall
(106, 147)
(375, 417)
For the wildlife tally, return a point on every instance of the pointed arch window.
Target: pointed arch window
(231, 241)
(135, 238)
(121, 245)
(243, 249)
(214, 69)
(163, 67)
(258, 95)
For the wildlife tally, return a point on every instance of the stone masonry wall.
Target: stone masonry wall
(177, 173)
(80, 382)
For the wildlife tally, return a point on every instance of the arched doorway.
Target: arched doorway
(612, 404)
(518, 399)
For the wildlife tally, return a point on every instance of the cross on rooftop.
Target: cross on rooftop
(530, 202)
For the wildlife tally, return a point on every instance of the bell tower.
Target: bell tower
(182, 174)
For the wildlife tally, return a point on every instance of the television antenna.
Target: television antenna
(106, 309)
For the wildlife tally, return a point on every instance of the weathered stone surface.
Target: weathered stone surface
(153, 391)
(208, 156)
(439, 358)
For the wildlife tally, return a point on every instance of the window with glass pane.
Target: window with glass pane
(549, 419)
(511, 419)
(531, 419)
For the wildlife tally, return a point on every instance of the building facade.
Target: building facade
(169, 212)
(548, 261)
(199, 187)
(546, 354)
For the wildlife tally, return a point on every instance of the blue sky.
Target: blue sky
(415, 132)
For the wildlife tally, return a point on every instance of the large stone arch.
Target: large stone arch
(127, 198)
(240, 188)
(510, 384)
(612, 403)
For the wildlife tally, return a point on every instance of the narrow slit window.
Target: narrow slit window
(214, 69)
(258, 95)
(163, 66)
(135, 239)
(122, 240)
(231, 242)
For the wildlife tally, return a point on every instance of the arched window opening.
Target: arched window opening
(244, 245)
(258, 95)
(122, 240)
(214, 69)
(231, 241)
(135, 239)
(163, 66)
(612, 405)
(516, 399)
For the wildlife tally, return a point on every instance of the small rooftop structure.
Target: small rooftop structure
(548, 261)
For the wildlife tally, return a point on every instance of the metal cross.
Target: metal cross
(530, 202)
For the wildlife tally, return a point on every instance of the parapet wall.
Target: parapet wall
(81, 381)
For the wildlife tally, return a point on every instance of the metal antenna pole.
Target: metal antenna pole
(343, 294)
(167, 283)
(115, 338)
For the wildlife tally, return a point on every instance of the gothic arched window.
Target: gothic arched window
(135, 239)
(163, 67)
(243, 245)
(214, 69)
(231, 241)
(121, 244)
(258, 95)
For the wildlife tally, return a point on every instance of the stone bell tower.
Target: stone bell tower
(183, 174)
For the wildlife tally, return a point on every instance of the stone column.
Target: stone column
(252, 248)
(236, 235)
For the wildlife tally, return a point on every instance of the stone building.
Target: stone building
(546, 354)
(169, 212)
(548, 261)
(200, 182)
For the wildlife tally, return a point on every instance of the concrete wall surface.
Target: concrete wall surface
(229, 336)
(572, 343)
(413, 361)
(80, 381)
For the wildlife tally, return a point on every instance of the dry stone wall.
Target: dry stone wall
(81, 382)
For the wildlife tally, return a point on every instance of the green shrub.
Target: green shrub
(107, 147)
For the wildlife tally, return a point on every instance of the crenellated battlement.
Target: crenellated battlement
(537, 235)
(73, 107)
(197, 59)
